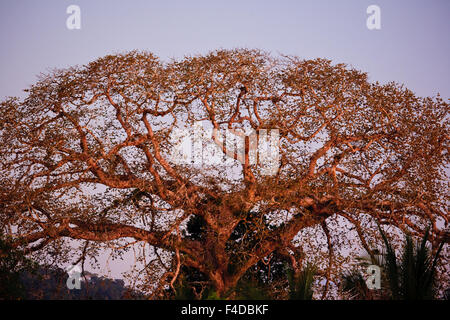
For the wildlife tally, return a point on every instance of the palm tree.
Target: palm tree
(354, 284)
(408, 276)
(414, 276)
(300, 285)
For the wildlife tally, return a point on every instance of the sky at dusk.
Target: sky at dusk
(412, 46)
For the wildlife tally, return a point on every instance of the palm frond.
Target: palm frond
(391, 266)
(300, 286)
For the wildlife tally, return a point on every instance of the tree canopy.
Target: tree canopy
(86, 156)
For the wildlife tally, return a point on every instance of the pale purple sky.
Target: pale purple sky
(412, 46)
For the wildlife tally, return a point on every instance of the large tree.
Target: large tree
(86, 156)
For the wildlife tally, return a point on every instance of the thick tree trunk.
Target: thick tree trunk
(218, 282)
